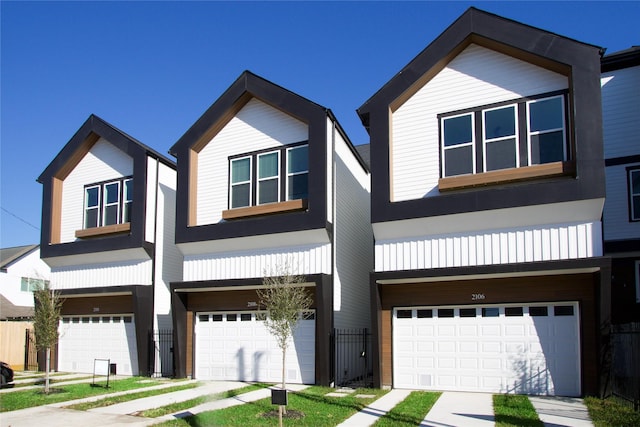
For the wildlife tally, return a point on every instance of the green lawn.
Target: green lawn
(411, 411)
(609, 413)
(36, 397)
(317, 409)
(513, 410)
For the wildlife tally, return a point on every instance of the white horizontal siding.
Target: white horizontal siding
(103, 162)
(255, 127)
(504, 246)
(616, 207)
(476, 77)
(150, 220)
(620, 106)
(307, 259)
(134, 272)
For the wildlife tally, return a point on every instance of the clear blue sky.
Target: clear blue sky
(152, 68)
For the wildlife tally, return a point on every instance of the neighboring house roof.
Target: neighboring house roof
(8, 311)
(9, 255)
(365, 153)
(621, 59)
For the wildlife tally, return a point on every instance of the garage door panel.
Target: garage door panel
(525, 349)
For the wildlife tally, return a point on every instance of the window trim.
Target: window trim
(486, 141)
(630, 195)
(255, 208)
(472, 143)
(277, 176)
(286, 168)
(563, 129)
(523, 136)
(250, 182)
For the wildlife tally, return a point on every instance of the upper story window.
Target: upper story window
(108, 203)
(509, 135)
(269, 176)
(29, 284)
(634, 193)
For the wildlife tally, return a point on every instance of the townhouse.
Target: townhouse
(107, 234)
(620, 106)
(487, 195)
(267, 180)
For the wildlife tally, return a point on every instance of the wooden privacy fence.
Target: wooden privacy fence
(625, 363)
(13, 343)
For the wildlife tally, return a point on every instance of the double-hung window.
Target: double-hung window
(269, 176)
(513, 134)
(634, 193)
(108, 203)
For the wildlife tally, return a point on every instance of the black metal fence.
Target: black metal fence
(625, 363)
(353, 365)
(30, 351)
(161, 363)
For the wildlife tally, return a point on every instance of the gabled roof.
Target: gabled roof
(621, 59)
(10, 255)
(246, 87)
(521, 41)
(8, 311)
(90, 131)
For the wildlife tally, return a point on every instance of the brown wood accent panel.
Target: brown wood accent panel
(56, 210)
(103, 231)
(387, 355)
(226, 300)
(190, 354)
(547, 170)
(192, 212)
(268, 209)
(105, 305)
(526, 290)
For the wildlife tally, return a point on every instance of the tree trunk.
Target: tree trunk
(46, 369)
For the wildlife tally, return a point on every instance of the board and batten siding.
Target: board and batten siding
(489, 247)
(102, 163)
(476, 77)
(256, 126)
(120, 273)
(616, 207)
(353, 237)
(620, 106)
(304, 259)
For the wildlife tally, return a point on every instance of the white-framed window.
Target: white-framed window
(108, 203)
(29, 284)
(500, 138)
(458, 145)
(633, 174)
(240, 179)
(269, 176)
(511, 134)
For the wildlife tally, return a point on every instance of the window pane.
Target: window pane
(111, 215)
(92, 196)
(240, 195)
(547, 148)
(490, 312)
(232, 317)
(513, 311)
(268, 165)
(298, 159)
(458, 161)
(128, 190)
(636, 208)
(635, 181)
(499, 123)
(267, 191)
(563, 310)
(298, 186)
(500, 154)
(112, 193)
(425, 314)
(91, 218)
(457, 130)
(24, 284)
(467, 312)
(126, 215)
(241, 170)
(545, 114)
(445, 312)
(403, 314)
(537, 311)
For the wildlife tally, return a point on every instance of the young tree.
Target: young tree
(285, 299)
(47, 307)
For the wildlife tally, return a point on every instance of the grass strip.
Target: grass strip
(181, 406)
(411, 411)
(113, 400)
(609, 413)
(36, 397)
(316, 410)
(39, 381)
(512, 410)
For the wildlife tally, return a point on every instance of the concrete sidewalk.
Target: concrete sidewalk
(461, 409)
(376, 409)
(561, 411)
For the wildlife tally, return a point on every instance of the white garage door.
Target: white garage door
(532, 349)
(85, 338)
(236, 346)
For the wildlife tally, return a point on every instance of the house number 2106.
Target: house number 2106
(476, 297)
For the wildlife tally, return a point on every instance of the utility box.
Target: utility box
(279, 397)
